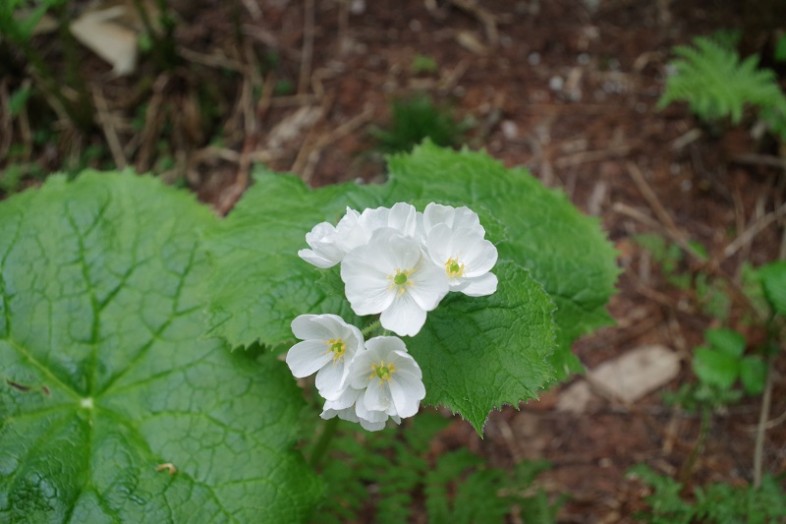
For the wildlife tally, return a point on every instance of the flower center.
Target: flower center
(337, 347)
(400, 279)
(453, 268)
(383, 371)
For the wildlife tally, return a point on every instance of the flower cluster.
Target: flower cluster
(397, 263)
(361, 381)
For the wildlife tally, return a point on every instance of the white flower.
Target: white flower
(467, 258)
(328, 346)
(402, 217)
(389, 377)
(392, 275)
(345, 408)
(324, 252)
(453, 217)
(330, 243)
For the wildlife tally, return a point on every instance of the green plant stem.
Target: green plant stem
(698, 447)
(371, 328)
(761, 429)
(322, 445)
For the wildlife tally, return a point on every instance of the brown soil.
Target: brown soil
(566, 88)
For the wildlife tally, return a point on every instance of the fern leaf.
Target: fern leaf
(716, 83)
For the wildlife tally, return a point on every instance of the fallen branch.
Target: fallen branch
(760, 225)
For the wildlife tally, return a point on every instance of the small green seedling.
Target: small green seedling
(711, 293)
(416, 119)
(423, 64)
(721, 362)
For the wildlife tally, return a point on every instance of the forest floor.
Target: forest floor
(569, 90)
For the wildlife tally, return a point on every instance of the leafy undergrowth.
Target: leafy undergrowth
(720, 503)
(393, 475)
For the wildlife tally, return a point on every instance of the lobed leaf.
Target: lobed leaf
(113, 405)
(556, 271)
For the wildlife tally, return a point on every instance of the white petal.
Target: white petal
(346, 400)
(403, 218)
(369, 300)
(367, 288)
(360, 369)
(480, 286)
(406, 363)
(331, 380)
(373, 219)
(324, 251)
(305, 358)
(377, 396)
(406, 392)
(363, 413)
(403, 317)
(315, 327)
(316, 259)
(480, 256)
(372, 426)
(439, 243)
(465, 217)
(328, 414)
(437, 214)
(350, 233)
(429, 285)
(397, 251)
(380, 348)
(347, 414)
(352, 336)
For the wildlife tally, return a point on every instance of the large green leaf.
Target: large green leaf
(114, 406)
(498, 350)
(477, 353)
(531, 225)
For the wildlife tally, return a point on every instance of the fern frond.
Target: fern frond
(716, 84)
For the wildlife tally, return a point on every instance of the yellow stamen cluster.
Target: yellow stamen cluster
(400, 280)
(337, 347)
(382, 370)
(453, 268)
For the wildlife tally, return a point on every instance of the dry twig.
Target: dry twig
(674, 232)
(154, 117)
(8, 125)
(325, 140)
(486, 18)
(757, 227)
(761, 160)
(106, 121)
(584, 157)
(308, 47)
(764, 414)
